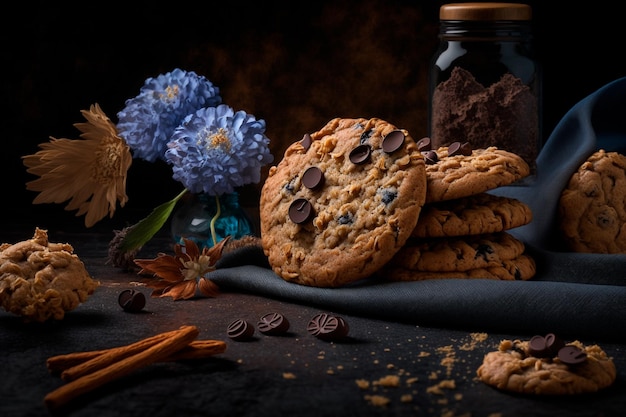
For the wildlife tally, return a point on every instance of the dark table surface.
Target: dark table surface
(294, 374)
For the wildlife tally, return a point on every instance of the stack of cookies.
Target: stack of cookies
(361, 197)
(462, 229)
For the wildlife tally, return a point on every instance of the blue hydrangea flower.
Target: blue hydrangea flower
(215, 150)
(148, 120)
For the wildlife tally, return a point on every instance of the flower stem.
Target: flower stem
(217, 215)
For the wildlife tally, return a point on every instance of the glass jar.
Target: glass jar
(207, 220)
(485, 84)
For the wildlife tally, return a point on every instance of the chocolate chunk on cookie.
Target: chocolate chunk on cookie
(476, 214)
(572, 369)
(464, 174)
(341, 202)
(592, 213)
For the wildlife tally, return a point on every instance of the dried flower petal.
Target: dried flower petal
(90, 173)
(180, 275)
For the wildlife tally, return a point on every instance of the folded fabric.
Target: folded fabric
(576, 295)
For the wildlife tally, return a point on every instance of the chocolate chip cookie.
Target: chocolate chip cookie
(521, 268)
(341, 202)
(454, 254)
(546, 366)
(592, 213)
(476, 214)
(461, 174)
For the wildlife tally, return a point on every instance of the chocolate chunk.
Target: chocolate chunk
(361, 154)
(424, 144)
(313, 178)
(554, 343)
(306, 141)
(545, 347)
(571, 355)
(393, 141)
(240, 330)
(327, 327)
(537, 347)
(301, 211)
(430, 157)
(273, 324)
(131, 300)
(458, 148)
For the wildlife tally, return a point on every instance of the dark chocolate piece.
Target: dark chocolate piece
(430, 157)
(571, 355)
(240, 330)
(273, 324)
(300, 211)
(132, 300)
(327, 327)
(393, 141)
(424, 144)
(313, 178)
(361, 154)
(306, 141)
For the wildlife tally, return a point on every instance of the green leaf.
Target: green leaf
(141, 233)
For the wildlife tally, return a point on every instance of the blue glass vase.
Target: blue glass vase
(207, 219)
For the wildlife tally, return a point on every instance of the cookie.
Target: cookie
(341, 202)
(591, 209)
(554, 369)
(521, 268)
(467, 173)
(476, 214)
(40, 280)
(461, 253)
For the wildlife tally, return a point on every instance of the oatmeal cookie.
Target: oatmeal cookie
(555, 368)
(40, 280)
(591, 209)
(521, 268)
(476, 214)
(461, 253)
(342, 202)
(461, 175)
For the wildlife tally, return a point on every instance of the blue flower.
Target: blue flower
(215, 150)
(148, 120)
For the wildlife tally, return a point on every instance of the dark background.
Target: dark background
(296, 65)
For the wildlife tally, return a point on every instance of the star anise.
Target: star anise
(179, 276)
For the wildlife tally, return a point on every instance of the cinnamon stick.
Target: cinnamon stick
(197, 349)
(111, 356)
(89, 382)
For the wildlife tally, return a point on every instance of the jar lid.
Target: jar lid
(485, 11)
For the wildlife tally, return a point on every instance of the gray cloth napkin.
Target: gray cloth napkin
(575, 295)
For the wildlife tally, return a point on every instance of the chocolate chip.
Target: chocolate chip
(537, 347)
(273, 324)
(458, 148)
(424, 144)
(361, 154)
(327, 327)
(393, 141)
(313, 178)
(131, 300)
(571, 355)
(545, 346)
(240, 330)
(430, 157)
(554, 343)
(300, 211)
(306, 141)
